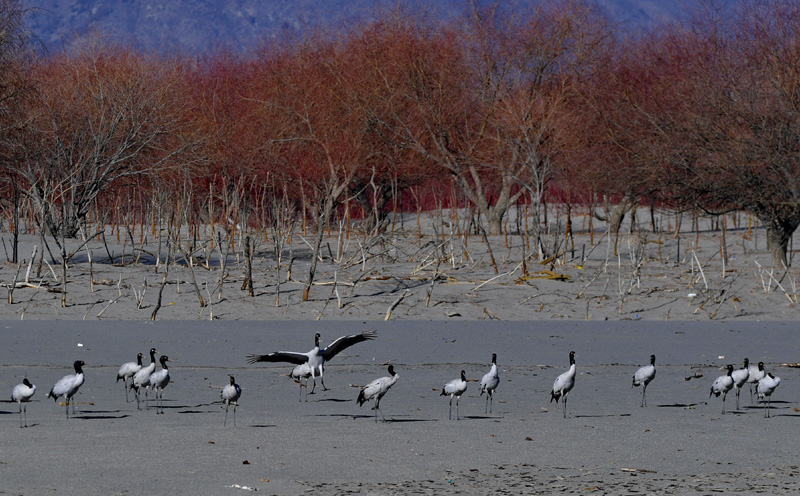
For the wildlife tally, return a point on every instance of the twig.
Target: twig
(25, 308)
(496, 277)
(511, 272)
(30, 262)
(777, 284)
(5, 249)
(187, 257)
(14, 284)
(700, 268)
(583, 259)
(357, 279)
(55, 277)
(319, 256)
(139, 295)
(603, 293)
(394, 305)
(422, 262)
(596, 275)
(491, 314)
(489, 248)
(89, 310)
(333, 289)
(792, 282)
(91, 270)
(724, 297)
(210, 305)
(619, 283)
(248, 259)
(109, 304)
(430, 288)
(163, 283)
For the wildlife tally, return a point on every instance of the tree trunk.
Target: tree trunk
(779, 232)
(495, 223)
(327, 211)
(15, 229)
(380, 198)
(615, 214)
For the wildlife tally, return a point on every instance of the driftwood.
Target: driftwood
(394, 305)
(30, 285)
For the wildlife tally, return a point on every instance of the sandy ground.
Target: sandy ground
(650, 276)
(607, 444)
(694, 312)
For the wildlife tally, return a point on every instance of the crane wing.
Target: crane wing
(343, 342)
(280, 356)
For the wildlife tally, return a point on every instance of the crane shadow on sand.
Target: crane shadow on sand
(99, 415)
(389, 419)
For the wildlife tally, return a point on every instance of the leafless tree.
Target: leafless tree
(19, 53)
(103, 113)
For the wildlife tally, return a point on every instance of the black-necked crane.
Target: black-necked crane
(766, 386)
(22, 394)
(141, 379)
(317, 357)
(230, 396)
(644, 376)
(69, 385)
(755, 374)
(455, 389)
(564, 383)
(722, 385)
(376, 389)
(740, 377)
(126, 372)
(158, 381)
(299, 374)
(489, 383)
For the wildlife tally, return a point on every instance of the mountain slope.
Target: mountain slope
(198, 25)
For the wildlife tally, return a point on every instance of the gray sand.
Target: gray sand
(648, 276)
(608, 445)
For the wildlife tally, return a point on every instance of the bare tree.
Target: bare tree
(103, 113)
(19, 53)
(707, 113)
(482, 101)
(549, 57)
(316, 127)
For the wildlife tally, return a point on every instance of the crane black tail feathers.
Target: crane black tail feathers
(361, 400)
(554, 396)
(51, 395)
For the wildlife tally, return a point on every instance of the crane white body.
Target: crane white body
(230, 396)
(455, 389)
(722, 385)
(489, 383)
(564, 383)
(376, 390)
(22, 394)
(645, 376)
(317, 357)
(68, 385)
